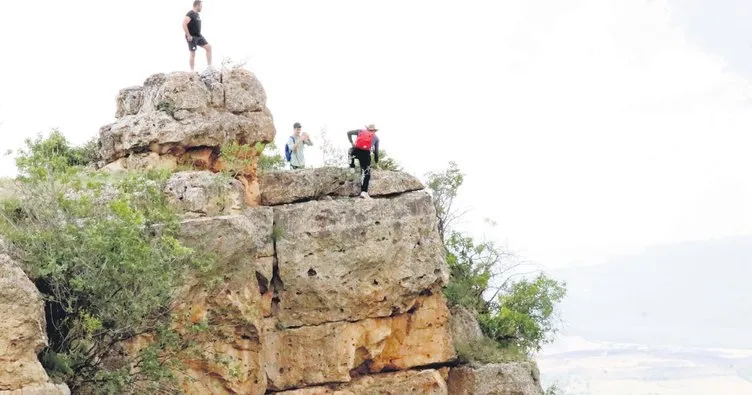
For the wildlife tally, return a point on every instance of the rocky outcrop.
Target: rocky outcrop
(280, 187)
(177, 112)
(22, 334)
(518, 378)
(351, 259)
(202, 193)
(315, 292)
(185, 119)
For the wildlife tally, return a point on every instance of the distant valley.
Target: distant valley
(675, 319)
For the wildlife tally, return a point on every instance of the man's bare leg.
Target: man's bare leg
(208, 49)
(192, 60)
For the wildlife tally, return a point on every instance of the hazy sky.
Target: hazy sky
(585, 127)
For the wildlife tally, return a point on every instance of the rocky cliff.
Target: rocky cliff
(321, 292)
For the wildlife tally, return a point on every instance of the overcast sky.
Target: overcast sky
(604, 125)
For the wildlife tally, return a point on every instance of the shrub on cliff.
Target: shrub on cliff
(103, 251)
(516, 312)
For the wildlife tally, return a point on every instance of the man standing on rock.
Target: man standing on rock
(296, 147)
(192, 30)
(365, 141)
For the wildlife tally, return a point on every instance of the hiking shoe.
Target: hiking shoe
(364, 195)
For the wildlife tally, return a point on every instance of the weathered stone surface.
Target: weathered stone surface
(22, 332)
(40, 389)
(242, 91)
(230, 360)
(280, 187)
(519, 378)
(173, 112)
(464, 325)
(328, 353)
(423, 382)
(203, 193)
(353, 259)
(143, 161)
(235, 239)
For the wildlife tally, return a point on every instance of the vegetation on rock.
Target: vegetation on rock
(103, 250)
(518, 314)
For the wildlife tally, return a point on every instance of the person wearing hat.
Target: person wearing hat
(365, 141)
(296, 144)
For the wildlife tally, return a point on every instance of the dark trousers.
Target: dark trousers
(364, 158)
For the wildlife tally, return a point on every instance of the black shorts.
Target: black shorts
(197, 41)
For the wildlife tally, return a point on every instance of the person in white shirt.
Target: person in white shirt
(296, 144)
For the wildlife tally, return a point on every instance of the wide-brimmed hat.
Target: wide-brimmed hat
(371, 127)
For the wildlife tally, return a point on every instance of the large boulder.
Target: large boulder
(332, 353)
(171, 114)
(203, 193)
(236, 240)
(353, 259)
(413, 382)
(22, 334)
(280, 187)
(518, 378)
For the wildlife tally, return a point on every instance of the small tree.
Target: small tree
(270, 158)
(517, 314)
(103, 251)
(386, 162)
(524, 317)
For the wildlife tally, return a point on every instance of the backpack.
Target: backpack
(364, 140)
(288, 153)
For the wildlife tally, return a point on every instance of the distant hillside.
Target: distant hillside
(689, 294)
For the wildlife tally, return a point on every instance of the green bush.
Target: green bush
(516, 314)
(103, 250)
(524, 318)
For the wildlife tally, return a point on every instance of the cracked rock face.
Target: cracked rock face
(423, 382)
(173, 113)
(281, 187)
(22, 334)
(518, 378)
(203, 193)
(229, 360)
(353, 259)
(333, 352)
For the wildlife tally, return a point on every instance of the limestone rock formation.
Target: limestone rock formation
(202, 193)
(316, 292)
(280, 187)
(177, 112)
(230, 359)
(332, 352)
(519, 378)
(352, 259)
(185, 119)
(22, 334)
